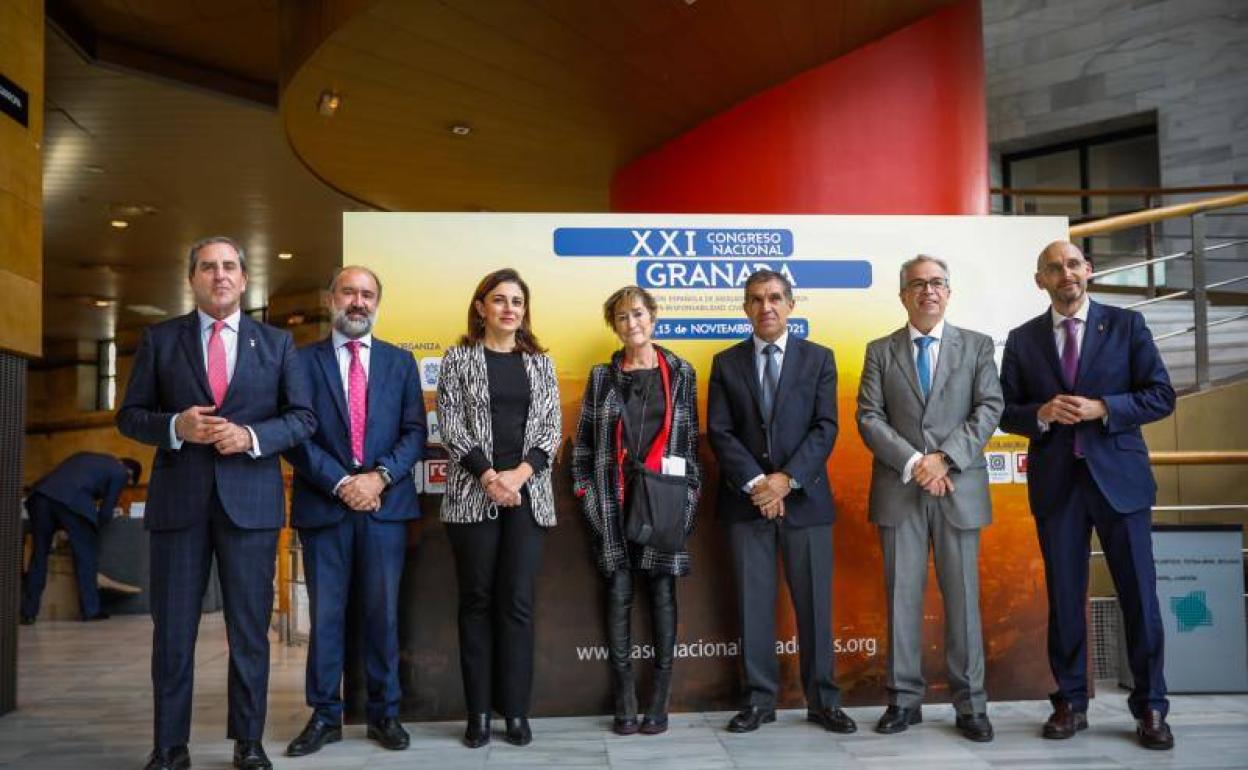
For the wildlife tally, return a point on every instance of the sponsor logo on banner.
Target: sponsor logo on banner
(434, 436)
(435, 476)
(1020, 467)
(430, 366)
(1000, 470)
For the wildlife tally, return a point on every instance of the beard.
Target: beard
(350, 326)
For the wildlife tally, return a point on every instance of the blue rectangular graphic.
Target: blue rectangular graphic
(733, 273)
(717, 328)
(671, 242)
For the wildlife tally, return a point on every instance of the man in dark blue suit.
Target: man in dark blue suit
(771, 420)
(1079, 381)
(221, 397)
(353, 497)
(77, 496)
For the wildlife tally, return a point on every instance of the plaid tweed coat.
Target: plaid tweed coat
(594, 469)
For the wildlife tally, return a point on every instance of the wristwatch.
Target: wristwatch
(385, 474)
(793, 483)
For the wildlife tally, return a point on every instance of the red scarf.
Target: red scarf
(654, 456)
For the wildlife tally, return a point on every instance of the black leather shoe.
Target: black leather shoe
(1153, 732)
(518, 732)
(477, 734)
(315, 734)
(627, 725)
(389, 733)
(832, 720)
(1064, 722)
(749, 718)
(28, 620)
(249, 755)
(654, 725)
(975, 727)
(896, 719)
(174, 758)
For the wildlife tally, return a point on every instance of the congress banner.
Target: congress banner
(845, 273)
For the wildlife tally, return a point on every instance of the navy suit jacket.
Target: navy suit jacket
(803, 429)
(87, 483)
(267, 394)
(1119, 364)
(394, 434)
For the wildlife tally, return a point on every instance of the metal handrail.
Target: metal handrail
(1159, 260)
(1208, 325)
(1184, 292)
(1113, 192)
(1203, 508)
(1201, 457)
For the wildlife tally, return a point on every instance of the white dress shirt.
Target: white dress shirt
(933, 354)
(229, 339)
(1059, 338)
(760, 365)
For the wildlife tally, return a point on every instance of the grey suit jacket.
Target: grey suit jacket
(958, 418)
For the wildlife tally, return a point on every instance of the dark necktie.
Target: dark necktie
(923, 364)
(1070, 366)
(771, 378)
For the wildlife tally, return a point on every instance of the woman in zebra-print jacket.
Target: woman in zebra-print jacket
(498, 409)
(643, 404)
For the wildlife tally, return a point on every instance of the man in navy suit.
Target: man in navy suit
(771, 420)
(77, 496)
(353, 497)
(220, 396)
(1079, 380)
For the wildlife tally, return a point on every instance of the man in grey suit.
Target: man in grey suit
(928, 402)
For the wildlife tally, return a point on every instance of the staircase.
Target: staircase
(1228, 344)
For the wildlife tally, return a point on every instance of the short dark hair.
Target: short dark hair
(134, 467)
(628, 294)
(765, 275)
(193, 256)
(333, 280)
(526, 341)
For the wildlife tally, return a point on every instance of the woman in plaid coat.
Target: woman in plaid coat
(640, 407)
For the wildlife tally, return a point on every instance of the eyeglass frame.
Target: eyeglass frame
(937, 284)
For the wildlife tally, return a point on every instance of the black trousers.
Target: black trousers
(620, 615)
(496, 562)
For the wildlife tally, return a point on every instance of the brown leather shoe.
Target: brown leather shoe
(1064, 722)
(1153, 732)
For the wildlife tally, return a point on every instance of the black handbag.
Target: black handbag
(655, 514)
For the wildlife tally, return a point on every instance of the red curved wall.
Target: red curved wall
(895, 127)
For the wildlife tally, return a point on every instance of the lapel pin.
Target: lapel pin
(252, 341)
(1099, 328)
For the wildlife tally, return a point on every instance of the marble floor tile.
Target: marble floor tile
(84, 702)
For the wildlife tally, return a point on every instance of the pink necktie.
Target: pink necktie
(357, 401)
(218, 376)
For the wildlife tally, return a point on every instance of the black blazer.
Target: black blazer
(267, 393)
(803, 429)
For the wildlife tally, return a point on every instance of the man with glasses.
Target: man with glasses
(928, 402)
(1079, 380)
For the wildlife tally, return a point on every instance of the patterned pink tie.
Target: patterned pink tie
(357, 401)
(218, 376)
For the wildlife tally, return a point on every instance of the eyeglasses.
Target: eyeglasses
(918, 285)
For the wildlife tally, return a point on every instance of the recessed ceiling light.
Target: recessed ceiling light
(148, 310)
(101, 302)
(285, 255)
(328, 103)
(93, 168)
(120, 224)
(461, 129)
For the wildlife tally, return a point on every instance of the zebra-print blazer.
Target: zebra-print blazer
(594, 469)
(464, 419)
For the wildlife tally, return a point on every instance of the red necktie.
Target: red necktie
(357, 401)
(218, 376)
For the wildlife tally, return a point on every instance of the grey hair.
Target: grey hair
(919, 259)
(193, 255)
(766, 275)
(333, 280)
